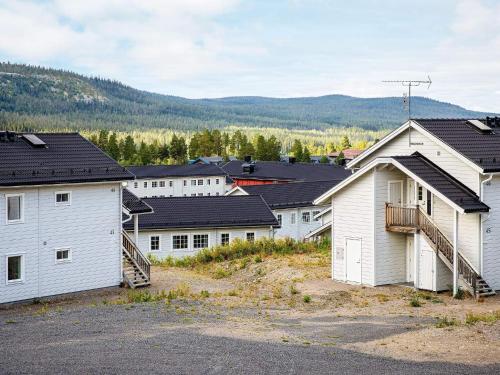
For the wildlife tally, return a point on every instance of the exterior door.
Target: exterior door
(396, 193)
(353, 260)
(426, 267)
(409, 259)
(410, 192)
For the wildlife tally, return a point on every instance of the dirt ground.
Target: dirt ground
(293, 295)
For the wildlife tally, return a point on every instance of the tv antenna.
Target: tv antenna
(410, 83)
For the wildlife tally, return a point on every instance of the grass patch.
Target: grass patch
(382, 297)
(490, 318)
(307, 298)
(415, 301)
(221, 273)
(239, 249)
(204, 294)
(293, 290)
(444, 322)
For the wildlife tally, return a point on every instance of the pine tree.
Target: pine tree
(273, 149)
(324, 160)
(260, 148)
(345, 143)
(306, 155)
(113, 149)
(340, 159)
(129, 149)
(144, 154)
(297, 150)
(102, 141)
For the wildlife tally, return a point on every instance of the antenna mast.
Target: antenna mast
(410, 83)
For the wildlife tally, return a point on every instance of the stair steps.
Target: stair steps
(136, 267)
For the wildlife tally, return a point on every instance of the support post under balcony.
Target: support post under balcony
(455, 252)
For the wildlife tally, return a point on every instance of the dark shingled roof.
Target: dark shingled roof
(482, 149)
(446, 184)
(133, 204)
(293, 194)
(66, 158)
(206, 212)
(271, 170)
(185, 170)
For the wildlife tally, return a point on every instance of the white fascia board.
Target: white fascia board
(326, 196)
(378, 145)
(236, 188)
(318, 230)
(415, 125)
(321, 213)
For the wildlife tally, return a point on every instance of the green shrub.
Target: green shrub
(415, 301)
(460, 294)
(258, 259)
(492, 317)
(205, 294)
(238, 249)
(446, 322)
(221, 273)
(307, 298)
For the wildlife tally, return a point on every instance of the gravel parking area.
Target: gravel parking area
(190, 337)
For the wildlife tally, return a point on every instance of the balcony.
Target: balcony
(401, 219)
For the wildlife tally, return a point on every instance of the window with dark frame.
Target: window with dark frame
(154, 184)
(145, 184)
(14, 268)
(280, 218)
(154, 243)
(162, 184)
(200, 241)
(63, 255)
(314, 214)
(224, 238)
(180, 242)
(250, 236)
(306, 217)
(216, 181)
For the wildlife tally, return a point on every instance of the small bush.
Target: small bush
(492, 317)
(415, 301)
(244, 263)
(221, 273)
(307, 298)
(382, 297)
(293, 289)
(204, 294)
(446, 322)
(460, 294)
(258, 259)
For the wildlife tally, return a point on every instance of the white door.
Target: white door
(396, 193)
(426, 267)
(411, 193)
(353, 259)
(410, 251)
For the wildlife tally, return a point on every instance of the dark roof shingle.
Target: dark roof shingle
(134, 204)
(67, 158)
(293, 194)
(185, 170)
(206, 212)
(443, 182)
(482, 149)
(270, 170)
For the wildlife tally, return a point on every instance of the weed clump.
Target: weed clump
(492, 317)
(446, 322)
(307, 298)
(415, 301)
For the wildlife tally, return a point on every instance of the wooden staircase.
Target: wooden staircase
(414, 219)
(136, 267)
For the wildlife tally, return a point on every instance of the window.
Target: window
(162, 184)
(171, 183)
(306, 217)
(420, 193)
(200, 194)
(145, 184)
(216, 181)
(185, 183)
(63, 198)
(314, 214)
(15, 268)
(180, 242)
(193, 182)
(193, 194)
(280, 218)
(136, 185)
(292, 218)
(154, 243)
(208, 194)
(208, 181)
(154, 184)
(250, 236)
(15, 208)
(200, 241)
(224, 238)
(63, 255)
(217, 193)
(200, 182)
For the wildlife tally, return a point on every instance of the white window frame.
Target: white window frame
(154, 184)
(145, 184)
(136, 185)
(201, 234)
(254, 236)
(171, 183)
(208, 181)
(302, 217)
(61, 261)
(193, 182)
(162, 184)
(159, 242)
(17, 281)
(228, 238)
(68, 203)
(21, 218)
(293, 218)
(200, 182)
(187, 243)
(401, 183)
(279, 217)
(217, 181)
(185, 182)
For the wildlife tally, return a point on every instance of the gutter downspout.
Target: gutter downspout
(482, 221)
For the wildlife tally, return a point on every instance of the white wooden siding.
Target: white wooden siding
(491, 234)
(431, 150)
(353, 218)
(298, 230)
(178, 189)
(90, 227)
(166, 247)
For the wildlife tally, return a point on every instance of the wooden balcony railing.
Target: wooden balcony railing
(135, 254)
(407, 219)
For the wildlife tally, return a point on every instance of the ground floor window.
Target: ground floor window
(306, 217)
(292, 218)
(250, 236)
(200, 241)
(154, 243)
(15, 271)
(180, 242)
(224, 238)
(63, 255)
(280, 218)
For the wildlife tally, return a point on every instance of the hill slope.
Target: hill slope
(40, 97)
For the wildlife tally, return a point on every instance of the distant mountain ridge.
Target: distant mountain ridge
(42, 96)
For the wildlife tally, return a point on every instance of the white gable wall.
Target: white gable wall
(353, 218)
(299, 229)
(90, 227)
(491, 234)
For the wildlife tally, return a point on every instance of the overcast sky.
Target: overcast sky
(214, 48)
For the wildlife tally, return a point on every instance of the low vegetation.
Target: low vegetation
(239, 249)
(491, 317)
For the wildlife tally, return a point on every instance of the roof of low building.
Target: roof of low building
(280, 171)
(184, 170)
(206, 212)
(349, 153)
(134, 204)
(289, 195)
(54, 158)
(482, 148)
(443, 182)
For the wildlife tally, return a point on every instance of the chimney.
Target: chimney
(493, 122)
(248, 158)
(248, 168)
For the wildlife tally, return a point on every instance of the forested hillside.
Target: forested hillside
(34, 97)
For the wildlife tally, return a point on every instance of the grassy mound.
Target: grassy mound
(240, 249)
